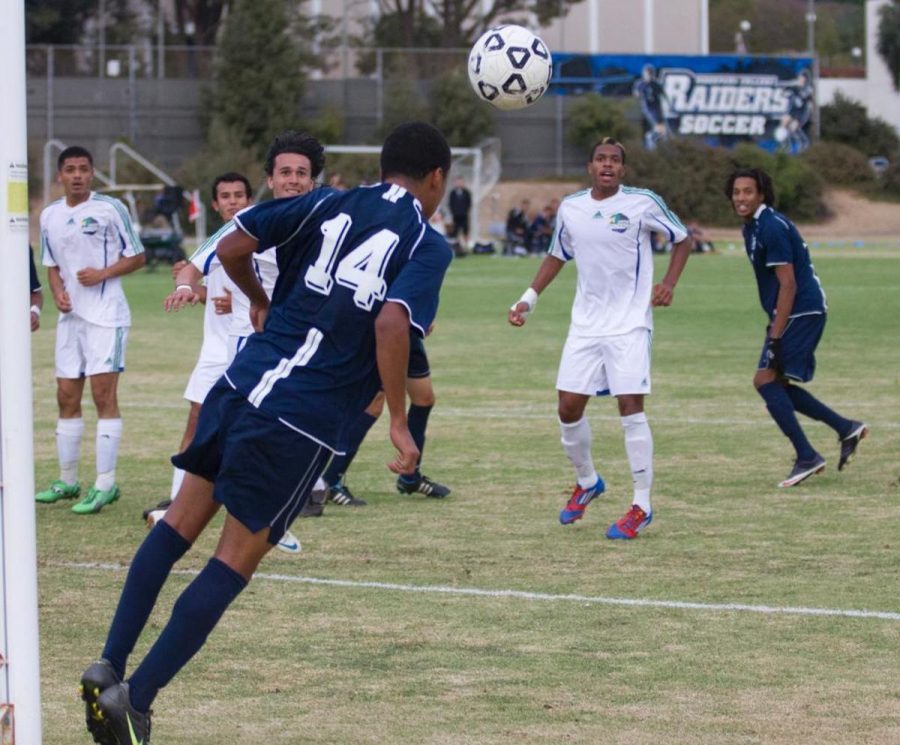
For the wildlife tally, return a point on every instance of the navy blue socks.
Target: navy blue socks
(194, 616)
(417, 421)
(781, 409)
(810, 406)
(150, 567)
(356, 433)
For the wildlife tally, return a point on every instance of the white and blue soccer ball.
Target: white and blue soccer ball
(510, 67)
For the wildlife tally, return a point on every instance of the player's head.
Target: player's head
(293, 162)
(416, 156)
(747, 189)
(231, 192)
(75, 171)
(606, 166)
(648, 72)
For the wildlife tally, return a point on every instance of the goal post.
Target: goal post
(478, 166)
(20, 700)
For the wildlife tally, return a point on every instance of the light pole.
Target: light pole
(811, 27)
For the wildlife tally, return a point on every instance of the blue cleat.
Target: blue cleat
(578, 502)
(632, 523)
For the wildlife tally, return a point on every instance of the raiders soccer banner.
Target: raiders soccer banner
(722, 99)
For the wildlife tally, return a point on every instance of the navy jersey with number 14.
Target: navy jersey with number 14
(341, 256)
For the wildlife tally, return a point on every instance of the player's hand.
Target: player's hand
(518, 314)
(222, 303)
(775, 354)
(35, 321)
(177, 267)
(180, 297)
(258, 316)
(662, 295)
(407, 453)
(90, 277)
(63, 302)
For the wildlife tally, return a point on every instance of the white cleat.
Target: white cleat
(289, 543)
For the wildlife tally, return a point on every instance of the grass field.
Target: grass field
(479, 619)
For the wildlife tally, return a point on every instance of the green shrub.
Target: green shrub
(847, 121)
(839, 164)
(592, 116)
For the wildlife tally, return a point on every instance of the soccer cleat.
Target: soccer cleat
(58, 490)
(803, 469)
(340, 494)
(578, 502)
(154, 516)
(421, 484)
(160, 507)
(125, 724)
(97, 678)
(289, 543)
(315, 503)
(95, 500)
(850, 443)
(634, 521)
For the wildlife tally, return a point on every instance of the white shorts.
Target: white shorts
(84, 348)
(606, 365)
(235, 345)
(203, 378)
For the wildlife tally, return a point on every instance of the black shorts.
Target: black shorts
(263, 470)
(798, 346)
(418, 360)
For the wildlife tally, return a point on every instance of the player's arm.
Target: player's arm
(125, 265)
(392, 355)
(784, 304)
(664, 291)
(187, 288)
(58, 288)
(546, 273)
(235, 251)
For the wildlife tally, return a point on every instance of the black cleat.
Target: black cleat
(315, 503)
(340, 494)
(422, 485)
(858, 431)
(803, 469)
(125, 724)
(164, 505)
(97, 678)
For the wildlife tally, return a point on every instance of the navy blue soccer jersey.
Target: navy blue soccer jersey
(772, 240)
(341, 256)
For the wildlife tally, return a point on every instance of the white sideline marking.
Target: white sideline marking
(522, 595)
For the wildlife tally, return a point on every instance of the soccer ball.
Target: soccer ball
(510, 67)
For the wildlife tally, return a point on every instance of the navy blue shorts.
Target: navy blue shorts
(418, 360)
(263, 470)
(798, 347)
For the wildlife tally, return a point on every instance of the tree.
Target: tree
(64, 21)
(259, 71)
(592, 116)
(847, 121)
(464, 119)
(889, 40)
(463, 21)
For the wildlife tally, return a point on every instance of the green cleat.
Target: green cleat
(58, 490)
(95, 500)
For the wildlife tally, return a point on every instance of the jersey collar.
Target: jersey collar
(759, 211)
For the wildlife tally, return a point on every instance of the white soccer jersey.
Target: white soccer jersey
(266, 266)
(609, 239)
(93, 234)
(215, 326)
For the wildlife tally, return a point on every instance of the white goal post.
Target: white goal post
(20, 698)
(478, 166)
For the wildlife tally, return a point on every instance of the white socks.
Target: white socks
(109, 434)
(576, 441)
(639, 449)
(68, 447)
(177, 478)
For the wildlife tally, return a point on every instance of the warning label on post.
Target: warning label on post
(17, 196)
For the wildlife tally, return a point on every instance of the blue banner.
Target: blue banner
(722, 99)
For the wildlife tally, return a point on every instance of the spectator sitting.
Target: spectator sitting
(518, 230)
(701, 244)
(542, 230)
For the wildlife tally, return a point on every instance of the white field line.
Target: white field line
(537, 596)
(549, 414)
